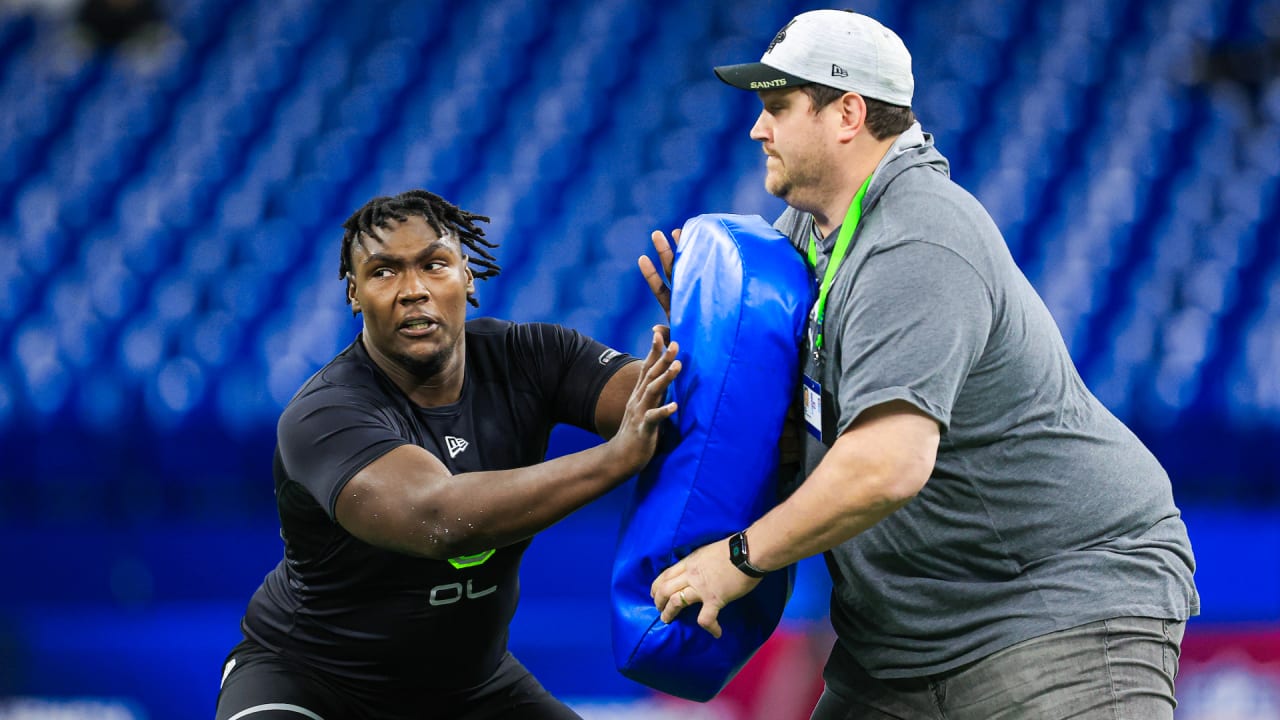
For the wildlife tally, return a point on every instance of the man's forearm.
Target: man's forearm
(871, 471)
(819, 515)
(497, 508)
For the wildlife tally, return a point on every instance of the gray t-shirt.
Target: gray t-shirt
(1043, 512)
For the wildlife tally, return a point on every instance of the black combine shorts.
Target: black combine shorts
(262, 685)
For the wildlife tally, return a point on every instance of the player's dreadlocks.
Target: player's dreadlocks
(444, 218)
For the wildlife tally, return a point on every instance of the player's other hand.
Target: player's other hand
(637, 436)
(659, 280)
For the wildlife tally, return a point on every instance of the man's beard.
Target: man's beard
(427, 367)
(785, 183)
(780, 189)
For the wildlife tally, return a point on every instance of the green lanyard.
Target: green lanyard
(850, 224)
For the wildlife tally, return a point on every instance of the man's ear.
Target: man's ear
(351, 295)
(471, 281)
(853, 113)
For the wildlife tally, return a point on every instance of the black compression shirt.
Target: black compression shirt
(373, 616)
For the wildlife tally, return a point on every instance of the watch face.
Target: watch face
(735, 548)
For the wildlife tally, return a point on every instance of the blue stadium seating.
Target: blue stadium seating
(169, 218)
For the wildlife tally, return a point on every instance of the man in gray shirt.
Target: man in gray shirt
(1000, 544)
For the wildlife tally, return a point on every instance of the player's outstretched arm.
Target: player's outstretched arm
(408, 501)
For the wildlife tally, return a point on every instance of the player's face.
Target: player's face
(412, 287)
(797, 143)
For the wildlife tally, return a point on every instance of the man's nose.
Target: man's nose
(413, 287)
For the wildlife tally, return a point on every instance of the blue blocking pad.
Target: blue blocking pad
(740, 297)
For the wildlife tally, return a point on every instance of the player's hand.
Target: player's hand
(637, 436)
(659, 280)
(705, 576)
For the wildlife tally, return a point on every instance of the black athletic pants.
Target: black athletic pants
(258, 684)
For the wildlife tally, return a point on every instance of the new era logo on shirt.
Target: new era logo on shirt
(455, 445)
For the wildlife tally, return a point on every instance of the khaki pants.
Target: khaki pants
(1118, 669)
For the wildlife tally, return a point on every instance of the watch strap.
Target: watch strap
(740, 555)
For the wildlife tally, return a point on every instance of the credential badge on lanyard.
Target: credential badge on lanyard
(812, 385)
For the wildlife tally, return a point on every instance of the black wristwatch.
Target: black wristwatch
(740, 556)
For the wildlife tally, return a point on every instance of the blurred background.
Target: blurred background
(173, 174)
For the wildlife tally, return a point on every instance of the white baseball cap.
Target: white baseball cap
(839, 48)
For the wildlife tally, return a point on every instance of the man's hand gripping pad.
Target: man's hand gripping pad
(740, 296)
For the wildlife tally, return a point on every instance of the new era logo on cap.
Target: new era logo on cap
(839, 48)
